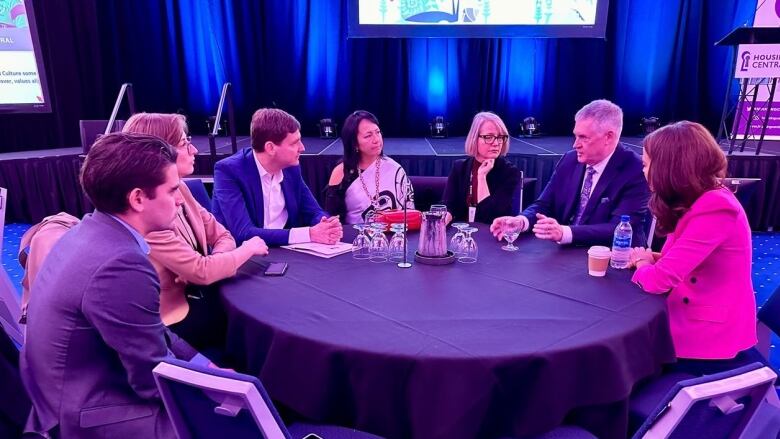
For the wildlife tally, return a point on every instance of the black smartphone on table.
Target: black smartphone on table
(276, 269)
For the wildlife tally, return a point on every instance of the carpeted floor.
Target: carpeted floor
(12, 235)
(766, 268)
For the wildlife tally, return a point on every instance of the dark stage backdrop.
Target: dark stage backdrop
(658, 59)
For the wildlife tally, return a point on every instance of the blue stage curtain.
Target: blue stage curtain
(658, 59)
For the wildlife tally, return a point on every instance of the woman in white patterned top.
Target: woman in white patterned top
(366, 180)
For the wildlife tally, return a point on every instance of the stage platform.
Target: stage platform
(45, 182)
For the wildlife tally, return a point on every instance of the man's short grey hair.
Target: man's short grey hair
(607, 115)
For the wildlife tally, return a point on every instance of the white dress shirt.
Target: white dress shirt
(274, 210)
(599, 169)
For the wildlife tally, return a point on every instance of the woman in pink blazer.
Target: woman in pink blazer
(197, 251)
(704, 266)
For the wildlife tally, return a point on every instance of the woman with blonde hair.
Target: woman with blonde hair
(196, 251)
(481, 187)
(704, 266)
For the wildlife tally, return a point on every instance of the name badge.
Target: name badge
(472, 213)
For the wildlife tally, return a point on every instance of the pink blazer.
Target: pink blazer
(178, 264)
(705, 267)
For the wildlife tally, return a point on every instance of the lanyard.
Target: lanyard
(472, 203)
(471, 200)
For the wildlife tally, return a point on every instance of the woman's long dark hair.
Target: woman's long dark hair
(685, 162)
(349, 133)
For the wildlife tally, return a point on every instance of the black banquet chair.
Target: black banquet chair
(199, 192)
(736, 403)
(427, 191)
(203, 402)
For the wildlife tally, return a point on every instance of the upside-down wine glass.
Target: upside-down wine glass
(456, 243)
(378, 249)
(361, 243)
(469, 255)
(396, 249)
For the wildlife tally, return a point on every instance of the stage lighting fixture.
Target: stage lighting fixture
(328, 128)
(530, 127)
(439, 127)
(649, 124)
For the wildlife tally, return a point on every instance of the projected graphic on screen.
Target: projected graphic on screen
(20, 82)
(477, 18)
(477, 12)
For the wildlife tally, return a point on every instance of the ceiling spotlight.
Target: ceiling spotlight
(439, 127)
(328, 128)
(649, 124)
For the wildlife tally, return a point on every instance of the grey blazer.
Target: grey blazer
(94, 335)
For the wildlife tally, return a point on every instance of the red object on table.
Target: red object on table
(413, 217)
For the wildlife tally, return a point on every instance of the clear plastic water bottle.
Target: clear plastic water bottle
(621, 243)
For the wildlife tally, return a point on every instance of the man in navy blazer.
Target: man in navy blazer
(259, 191)
(94, 331)
(591, 187)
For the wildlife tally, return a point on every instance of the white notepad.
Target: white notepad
(321, 250)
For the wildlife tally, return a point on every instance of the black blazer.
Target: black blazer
(502, 182)
(621, 190)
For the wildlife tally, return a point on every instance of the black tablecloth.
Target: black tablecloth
(514, 344)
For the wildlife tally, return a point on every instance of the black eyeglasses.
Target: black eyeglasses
(489, 138)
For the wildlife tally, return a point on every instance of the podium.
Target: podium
(751, 80)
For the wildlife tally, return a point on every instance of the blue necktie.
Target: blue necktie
(585, 195)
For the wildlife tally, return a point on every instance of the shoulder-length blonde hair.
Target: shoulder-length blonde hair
(476, 124)
(168, 127)
(685, 162)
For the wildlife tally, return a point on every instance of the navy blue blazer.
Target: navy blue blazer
(621, 190)
(94, 335)
(238, 200)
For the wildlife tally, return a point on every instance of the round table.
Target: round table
(514, 344)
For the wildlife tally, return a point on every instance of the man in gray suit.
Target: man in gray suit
(94, 332)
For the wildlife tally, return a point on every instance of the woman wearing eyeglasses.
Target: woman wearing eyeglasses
(480, 188)
(196, 251)
(366, 181)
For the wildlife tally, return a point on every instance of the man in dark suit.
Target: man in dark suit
(591, 187)
(94, 332)
(259, 191)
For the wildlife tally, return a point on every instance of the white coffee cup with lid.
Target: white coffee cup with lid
(598, 260)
